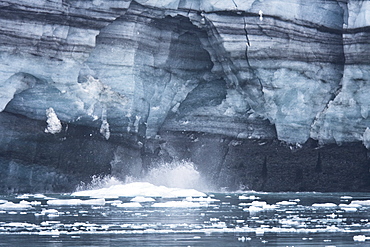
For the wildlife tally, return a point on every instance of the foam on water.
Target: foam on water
(180, 174)
(139, 189)
(168, 180)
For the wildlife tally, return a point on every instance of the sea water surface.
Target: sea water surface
(144, 214)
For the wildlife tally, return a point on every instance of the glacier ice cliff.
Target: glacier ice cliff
(262, 94)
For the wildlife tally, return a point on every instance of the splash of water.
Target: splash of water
(98, 182)
(178, 174)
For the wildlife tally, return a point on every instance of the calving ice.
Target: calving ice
(136, 83)
(181, 123)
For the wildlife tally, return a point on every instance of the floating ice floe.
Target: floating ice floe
(352, 207)
(361, 202)
(139, 189)
(259, 206)
(360, 238)
(346, 197)
(48, 212)
(252, 197)
(142, 199)
(75, 202)
(26, 196)
(128, 205)
(243, 239)
(324, 205)
(201, 199)
(286, 203)
(178, 204)
(22, 205)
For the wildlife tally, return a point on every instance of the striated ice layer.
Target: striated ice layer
(244, 68)
(346, 117)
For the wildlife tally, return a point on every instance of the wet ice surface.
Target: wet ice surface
(161, 216)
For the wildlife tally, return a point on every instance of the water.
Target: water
(111, 213)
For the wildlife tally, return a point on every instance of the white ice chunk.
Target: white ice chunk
(15, 206)
(324, 205)
(286, 203)
(75, 202)
(360, 238)
(259, 203)
(253, 209)
(49, 211)
(261, 15)
(26, 196)
(104, 129)
(361, 202)
(178, 204)
(346, 197)
(61, 202)
(252, 197)
(51, 232)
(54, 124)
(142, 199)
(129, 205)
(139, 189)
(20, 225)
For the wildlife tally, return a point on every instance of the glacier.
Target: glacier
(244, 89)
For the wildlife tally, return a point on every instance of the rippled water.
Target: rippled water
(141, 214)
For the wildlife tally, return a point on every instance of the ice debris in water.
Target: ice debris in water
(75, 202)
(252, 197)
(128, 205)
(26, 196)
(16, 206)
(142, 199)
(360, 238)
(139, 189)
(54, 124)
(324, 205)
(179, 204)
(361, 202)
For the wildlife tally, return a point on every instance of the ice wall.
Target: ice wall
(191, 65)
(125, 78)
